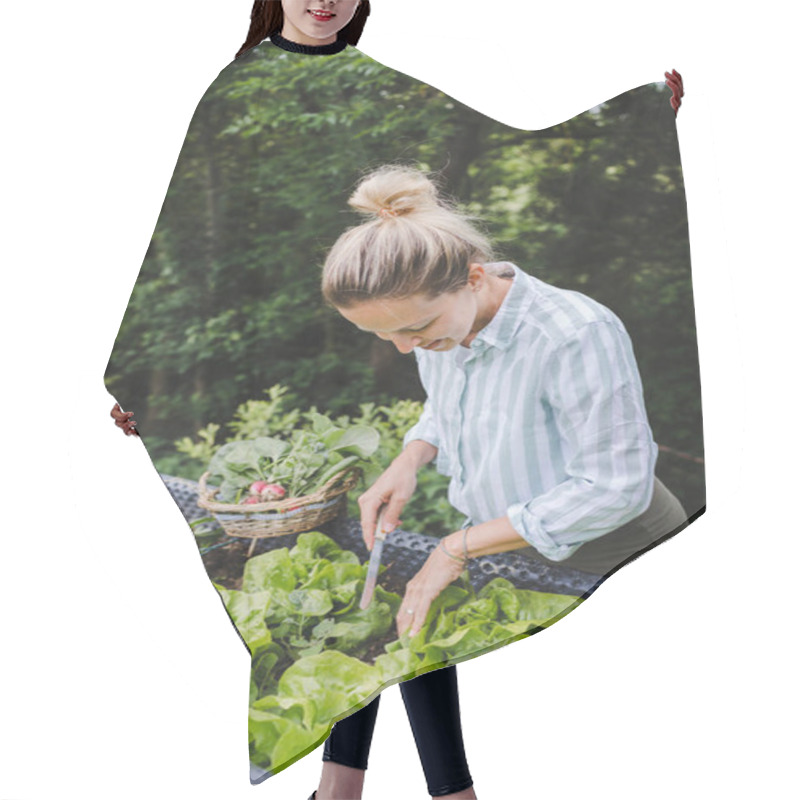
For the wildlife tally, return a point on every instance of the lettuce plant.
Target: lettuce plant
(298, 613)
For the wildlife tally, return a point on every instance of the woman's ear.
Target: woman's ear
(477, 276)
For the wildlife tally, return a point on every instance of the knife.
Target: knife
(374, 561)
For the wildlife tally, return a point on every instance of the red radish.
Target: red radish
(258, 487)
(252, 499)
(272, 491)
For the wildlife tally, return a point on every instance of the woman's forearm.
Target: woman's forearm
(418, 453)
(495, 536)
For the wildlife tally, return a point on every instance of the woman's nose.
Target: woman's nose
(405, 344)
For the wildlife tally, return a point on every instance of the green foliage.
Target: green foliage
(295, 602)
(251, 420)
(203, 450)
(228, 298)
(302, 450)
(462, 622)
(302, 466)
(428, 511)
(298, 613)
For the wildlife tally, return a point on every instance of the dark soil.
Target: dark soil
(225, 565)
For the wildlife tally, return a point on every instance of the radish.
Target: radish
(272, 491)
(253, 498)
(258, 487)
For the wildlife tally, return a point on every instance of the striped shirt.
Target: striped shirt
(541, 419)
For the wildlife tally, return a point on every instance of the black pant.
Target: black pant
(432, 706)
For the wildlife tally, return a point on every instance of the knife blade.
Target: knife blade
(374, 562)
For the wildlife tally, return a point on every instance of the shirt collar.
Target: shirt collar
(309, 49)
(504, 324)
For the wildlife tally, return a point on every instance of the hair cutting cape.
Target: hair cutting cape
(238, 373)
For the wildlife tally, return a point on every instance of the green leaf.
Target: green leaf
(268, 571)
(321, 424)
(247, 612)
(402, 661)
(330, 671)
(329, 473)
(355, 630)
(361, 439)
(293, 741)
(311, 602)
(269, 447)
(312, 546)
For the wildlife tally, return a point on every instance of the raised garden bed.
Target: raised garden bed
(404, 553)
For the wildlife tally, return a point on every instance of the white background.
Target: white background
(121, 674)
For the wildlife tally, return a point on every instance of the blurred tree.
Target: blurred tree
(227, 301)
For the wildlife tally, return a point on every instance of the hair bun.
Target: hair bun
(428, 253)
(394, 190)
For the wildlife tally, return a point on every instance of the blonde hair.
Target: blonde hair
(417, 243)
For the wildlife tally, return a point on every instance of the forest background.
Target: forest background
(227, 310)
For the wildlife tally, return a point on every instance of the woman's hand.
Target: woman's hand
(123, 419)
(438, 572)
(675, 82)
(395, 486)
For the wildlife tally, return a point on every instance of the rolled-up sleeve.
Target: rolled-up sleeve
(593, 390)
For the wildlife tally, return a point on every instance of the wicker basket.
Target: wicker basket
(279, 517)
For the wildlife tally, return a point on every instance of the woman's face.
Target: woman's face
(438, 324)
(316, 21)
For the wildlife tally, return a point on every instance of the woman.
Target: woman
(323, 27)
(535, 406)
